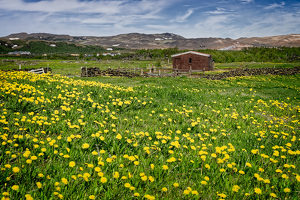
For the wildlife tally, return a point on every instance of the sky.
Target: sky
(188, 18)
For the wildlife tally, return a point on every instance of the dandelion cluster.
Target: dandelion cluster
(63, 138)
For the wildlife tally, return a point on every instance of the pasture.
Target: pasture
(148, 138)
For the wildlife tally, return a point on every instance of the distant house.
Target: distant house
(18, 53)
(109, 49)
(52, 45)
(192, 60)
(110, 54)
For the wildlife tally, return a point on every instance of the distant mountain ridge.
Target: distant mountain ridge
(164, 40)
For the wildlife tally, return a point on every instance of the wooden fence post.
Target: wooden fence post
(142, 71)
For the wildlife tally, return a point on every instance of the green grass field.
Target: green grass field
(73, 67)
(148, 138)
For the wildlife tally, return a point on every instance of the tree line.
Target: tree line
(63, 50)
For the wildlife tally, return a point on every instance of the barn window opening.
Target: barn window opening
(190, 60)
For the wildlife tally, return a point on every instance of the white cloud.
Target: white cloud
(104, 17)
(75, 6)
(277, 23)
(219, 11)
(247, 1)
(62, 6)
(214, 26)
(87, 16)
(275, 5)
(184, 17)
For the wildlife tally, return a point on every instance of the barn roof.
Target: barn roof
(192, 52)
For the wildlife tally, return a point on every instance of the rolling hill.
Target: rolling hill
(162, 41)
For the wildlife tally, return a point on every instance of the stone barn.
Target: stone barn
(192, 60)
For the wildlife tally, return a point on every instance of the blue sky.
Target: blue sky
(189, 18)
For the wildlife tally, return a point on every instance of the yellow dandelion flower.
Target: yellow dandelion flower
(164, 189)
(103, 180)
(235, 188)
(149, 197)
(151, 179)
(144, 178)
(127, 185)
(132, 188)
(273, 195)
(261, 169)
(72, 164)
(39, 184)
(186, 192)
(7, 166)
(97, 169)
(176, 185)
(284, 176)
(298, 178)
(172, 159)
(136, 194)
(222, 170)
(165, 167)
(33, 158)
(207, 166)
(287, 190)
(152, 166)
(257, 190)
(15, 187)
(116, 175)
(119, 136)
(28, 197)
(222, 195)
(85, 146)
(16, 169)
(203, 182)
(64, 181)
(28, 161)
(92, 197)
(100, 174)
(5, 194)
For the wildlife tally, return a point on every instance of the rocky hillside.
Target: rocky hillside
(165, 40)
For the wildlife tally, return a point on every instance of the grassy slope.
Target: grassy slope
(249, 119)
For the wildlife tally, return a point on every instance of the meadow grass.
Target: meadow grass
(73, 67)
(149, 138)
(235, 65)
